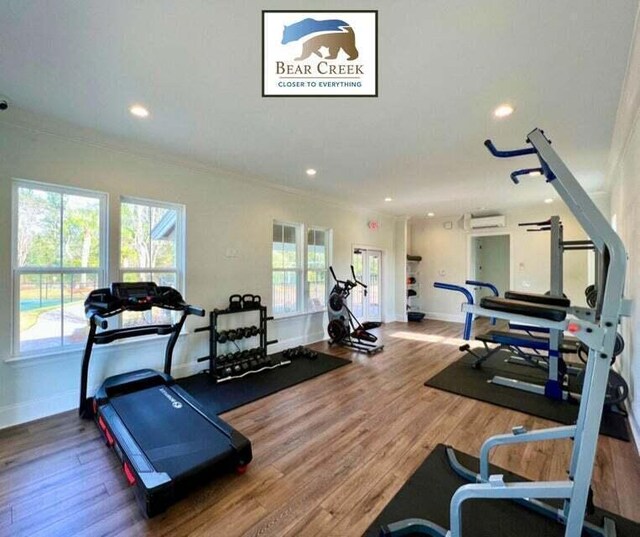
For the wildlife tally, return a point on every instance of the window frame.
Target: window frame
(102, 271)
(299, 270)
(328, 236)
(180, 233)
(302, 268)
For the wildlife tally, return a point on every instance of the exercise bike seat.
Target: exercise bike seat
(520, 307)
(536, 298)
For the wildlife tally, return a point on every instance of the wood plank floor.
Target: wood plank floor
(328, 455)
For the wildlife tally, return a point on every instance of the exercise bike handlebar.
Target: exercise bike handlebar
(348, 283)
(353, 272)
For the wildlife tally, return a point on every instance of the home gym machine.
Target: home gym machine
(546, 348)
(167, 443)
(343, 328)
(596, 328)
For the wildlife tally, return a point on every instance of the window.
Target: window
(300, 261)
(151, 249)
(317, 268)
(287, 268)
(59, 255)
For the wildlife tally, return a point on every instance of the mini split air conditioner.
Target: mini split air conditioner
(483, 222)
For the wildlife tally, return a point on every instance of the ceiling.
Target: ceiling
(444, 65)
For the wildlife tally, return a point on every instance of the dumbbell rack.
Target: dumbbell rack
(215, 369)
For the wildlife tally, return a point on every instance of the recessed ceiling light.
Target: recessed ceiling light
(139, 111)
(388, 199)
(549, 200)
(431, 215)
(534, 173)
(503, 110)
(311, 172)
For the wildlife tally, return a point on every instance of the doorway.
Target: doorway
(367, 265)
(490, 262)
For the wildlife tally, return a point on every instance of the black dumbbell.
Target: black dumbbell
(232, 335)
(237, 369)
(312, 355)
(236, 356)
(222, 336)
(221, 359)
(228, 371)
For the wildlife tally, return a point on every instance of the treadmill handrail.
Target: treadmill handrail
(97, 315)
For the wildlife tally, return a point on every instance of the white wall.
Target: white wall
(446, 257)
(492, 262)
(625, 213)
(223, 211)
(401, 236)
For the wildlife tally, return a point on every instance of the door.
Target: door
(367, 265)
(491, 263)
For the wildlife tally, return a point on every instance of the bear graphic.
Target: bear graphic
(338, 35)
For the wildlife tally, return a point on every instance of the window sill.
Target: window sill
(72, 350)
(297, 314)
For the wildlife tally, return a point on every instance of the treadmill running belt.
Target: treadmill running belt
(174, 437)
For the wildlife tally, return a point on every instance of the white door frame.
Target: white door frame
(492, 233)
(383, 268)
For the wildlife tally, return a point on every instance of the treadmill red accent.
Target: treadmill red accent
(166, 441)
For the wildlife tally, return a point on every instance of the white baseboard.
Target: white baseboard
(448, 317)
(306, 339)
(19, 413)
(38, 408)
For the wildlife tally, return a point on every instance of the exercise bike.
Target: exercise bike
(344, 328)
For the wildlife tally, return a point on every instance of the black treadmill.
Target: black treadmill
(166, 441)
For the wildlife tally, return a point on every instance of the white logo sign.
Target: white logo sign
(174, 402)
(320, 53)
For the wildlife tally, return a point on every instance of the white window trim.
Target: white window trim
(302, 246)
(300, 253)
(180, 267)
(328, 234)
(102, 271)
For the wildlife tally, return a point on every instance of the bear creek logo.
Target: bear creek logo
(319, 54)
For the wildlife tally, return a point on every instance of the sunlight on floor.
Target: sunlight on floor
(430, 338)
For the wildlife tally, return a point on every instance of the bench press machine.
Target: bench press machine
(596, 328)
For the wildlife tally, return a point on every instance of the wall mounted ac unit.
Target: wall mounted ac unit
(483, 222)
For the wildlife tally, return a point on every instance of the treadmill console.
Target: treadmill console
(137, 294)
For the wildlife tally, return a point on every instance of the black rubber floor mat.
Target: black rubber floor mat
(460, 378)
(428, 492)
(225, 396)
